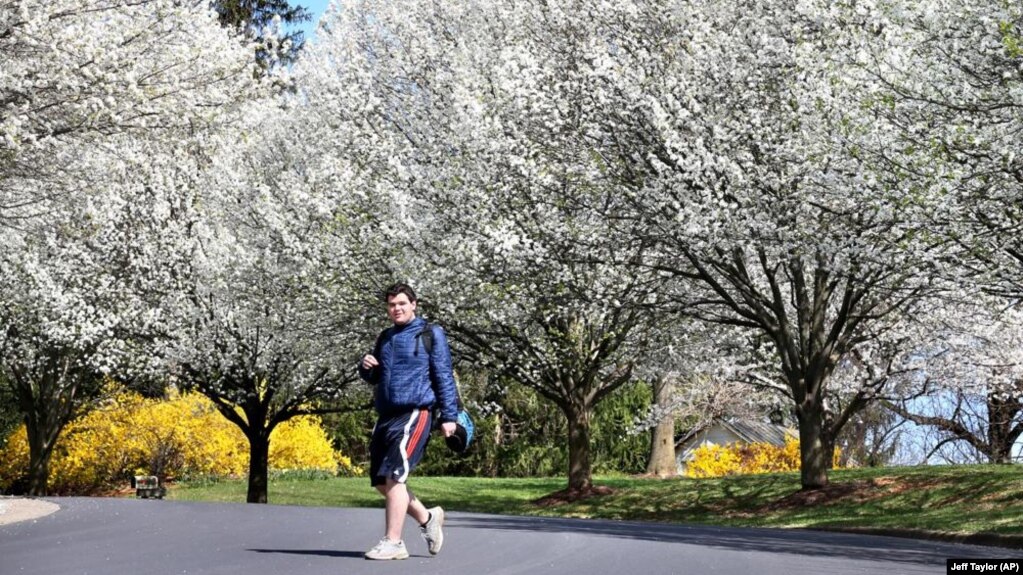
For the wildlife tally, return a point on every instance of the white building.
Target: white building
(727, 431)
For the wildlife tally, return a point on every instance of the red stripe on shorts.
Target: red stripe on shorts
(417, 433)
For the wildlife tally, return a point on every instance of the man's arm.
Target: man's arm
(369, 364)
(368, 368)
(442, 377)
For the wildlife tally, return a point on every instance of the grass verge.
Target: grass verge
(954, 501)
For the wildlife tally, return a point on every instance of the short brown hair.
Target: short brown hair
(400, 288)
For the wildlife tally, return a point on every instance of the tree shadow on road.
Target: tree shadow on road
(793, 542)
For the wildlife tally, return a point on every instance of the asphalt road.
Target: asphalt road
(96, 536)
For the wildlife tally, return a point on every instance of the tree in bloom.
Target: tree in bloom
(78, 72)
(746, 124)
(467, 115)
(109, 111)
(563, 160)
(950, 83)
(270, 316)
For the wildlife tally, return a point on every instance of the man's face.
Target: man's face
(400, 309)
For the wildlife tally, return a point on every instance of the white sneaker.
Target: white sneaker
(388, 549)
(432, 532)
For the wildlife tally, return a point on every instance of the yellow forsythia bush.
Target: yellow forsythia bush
(13, 457)
(184, 435)
(302, 443)
(744, 459)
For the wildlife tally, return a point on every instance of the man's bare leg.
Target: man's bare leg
(397, 503)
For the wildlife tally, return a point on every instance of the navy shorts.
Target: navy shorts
(398, 444)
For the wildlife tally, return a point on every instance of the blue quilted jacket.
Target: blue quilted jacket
(409, 378)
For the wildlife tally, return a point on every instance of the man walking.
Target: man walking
(409, 378)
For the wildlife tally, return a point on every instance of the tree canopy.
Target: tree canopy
(800, 197)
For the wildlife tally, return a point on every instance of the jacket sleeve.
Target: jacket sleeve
(442, 377)
(372, 375)
(368, 375)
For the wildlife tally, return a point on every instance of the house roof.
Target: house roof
(758, 432)
(747, 430)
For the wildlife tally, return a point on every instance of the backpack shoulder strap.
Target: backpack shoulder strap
(426, 336)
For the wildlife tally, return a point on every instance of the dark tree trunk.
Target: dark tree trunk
(579, 468)
(259, 458)
(815, 449)
(40, 453)
(42, 434)
(47, 402)
(662, 440)
(1002, 413)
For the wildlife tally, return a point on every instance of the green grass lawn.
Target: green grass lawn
(954, 500)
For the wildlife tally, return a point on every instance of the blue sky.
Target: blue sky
(316, 8)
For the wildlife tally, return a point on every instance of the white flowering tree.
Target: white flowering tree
(949, 80)
(752, 121)
(467, 118)
(562, 159)
(78, 72)
(108, 112)
(78, 282)
(952, 87)
(277, 302)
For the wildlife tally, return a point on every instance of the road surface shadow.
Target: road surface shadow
(795, 542)
(319, 552)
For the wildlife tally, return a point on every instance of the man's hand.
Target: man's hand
(369, 362)
(448, 428)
